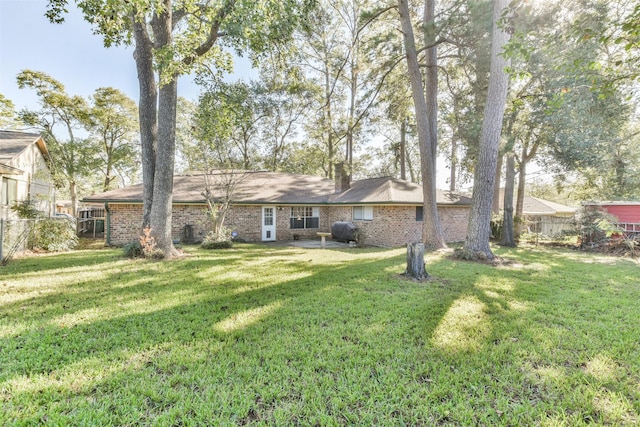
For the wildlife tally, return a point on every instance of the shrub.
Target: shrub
(219, 240)
(361, 237)
(594, 226)
(145, 247)
(26, 210)
(132, 250)
(53, 236)
(149, 246)
(225, 244)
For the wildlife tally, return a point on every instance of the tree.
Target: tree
(335, 55)
(227, 121)
(8, 118)
(61, 114)
(173, 38)
(479, 228)
(112, 122)
(431, 231)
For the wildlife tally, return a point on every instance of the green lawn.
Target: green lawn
(288, 336)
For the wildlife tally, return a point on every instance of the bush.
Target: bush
(53, 236)
(219, 240)
(132, 250)
(26, 210)
(594, 226)
(144, 247)
(225, 244)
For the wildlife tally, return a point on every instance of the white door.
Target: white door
(268, 223)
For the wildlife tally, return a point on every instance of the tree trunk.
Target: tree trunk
(161, 209)
(416, 268)
(431, 230)
(479, 229)
(147, 112)
(403, 149)
(522, 176)
(73, 191)
(495, 209)
(454, 164)
(508, 235)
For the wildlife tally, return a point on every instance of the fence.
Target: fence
(14, 237)
(550, 226)
(19, 235)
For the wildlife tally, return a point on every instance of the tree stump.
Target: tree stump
(415, 262)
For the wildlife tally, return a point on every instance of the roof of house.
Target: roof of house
(537, 206)
(613, 203)
(258, 187)
(13, 143)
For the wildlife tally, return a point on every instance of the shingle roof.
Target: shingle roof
(387, 190)
(13, 143)
(287, 188)
(537, 206)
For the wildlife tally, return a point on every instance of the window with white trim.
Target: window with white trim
(304, 217)
(9, 191)
(363, 213)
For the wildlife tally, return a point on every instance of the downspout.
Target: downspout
(107, 223)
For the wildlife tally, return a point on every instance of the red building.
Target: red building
(628, 214)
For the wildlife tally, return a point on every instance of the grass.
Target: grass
(270, 335)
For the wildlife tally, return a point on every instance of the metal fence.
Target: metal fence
(14, 237)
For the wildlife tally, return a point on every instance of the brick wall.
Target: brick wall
(391, 225)
(397, 225)
(125, 222)
(454, 221)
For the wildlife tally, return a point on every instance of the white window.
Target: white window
(9, 191)
(363, 213)
(305, 217)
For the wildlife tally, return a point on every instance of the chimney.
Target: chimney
(343, 179)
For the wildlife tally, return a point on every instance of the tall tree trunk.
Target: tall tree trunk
(431, 230)
(522, 177)
(161, 211)
(329, 123)
(479, 229)
(353, 89)
(431, 79)
(495, 209)
(73, 191)
(454, 164)
(508, 234)
(161, 208)
(147, 112)
(403, 149)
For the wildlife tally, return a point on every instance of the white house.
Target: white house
(25, 173)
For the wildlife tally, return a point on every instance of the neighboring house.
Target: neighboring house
(627, 213)
(25, 173)
(269, 206)
(544, 216)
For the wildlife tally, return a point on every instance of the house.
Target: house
(544, 216)
(268, 206)
(547, 217)
(25, 173)
(627, 214)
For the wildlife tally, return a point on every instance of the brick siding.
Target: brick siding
(391, 225)
(396, 225)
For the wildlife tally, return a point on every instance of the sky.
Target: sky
(70, 53)
(73, 55)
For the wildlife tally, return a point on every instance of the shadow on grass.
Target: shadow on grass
(253, 329)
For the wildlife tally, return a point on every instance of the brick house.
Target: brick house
(268, 206)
